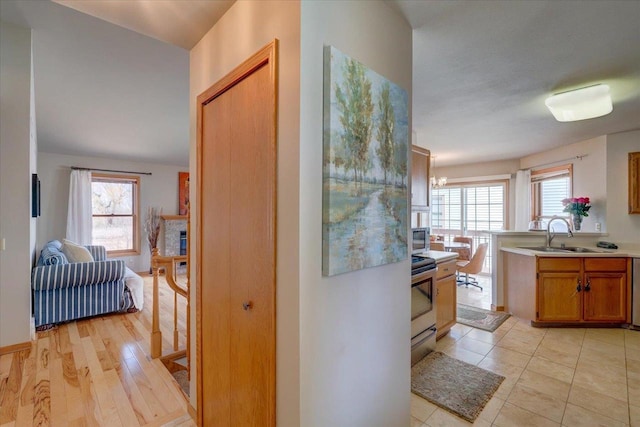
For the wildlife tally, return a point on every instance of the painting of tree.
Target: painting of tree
(385, 131)
(366, 137)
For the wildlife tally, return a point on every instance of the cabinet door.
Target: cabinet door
(605, 297)
(419, 178)
(446, 312)
(560, 297)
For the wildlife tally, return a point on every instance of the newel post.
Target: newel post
(156, 334)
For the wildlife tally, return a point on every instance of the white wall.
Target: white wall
(243, 30)
(15, 184)
(589, 174)
(621, 226)
(159, 190)
(354, 327)
(498, 167)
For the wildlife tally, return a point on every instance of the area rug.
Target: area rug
(456, 386)
(481, 319)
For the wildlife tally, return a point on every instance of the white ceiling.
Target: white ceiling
(178, 22)
(482, 70)
(102, 90)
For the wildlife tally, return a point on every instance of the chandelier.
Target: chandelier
(437, 182)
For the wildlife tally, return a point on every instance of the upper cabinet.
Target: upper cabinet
(420, 161)
(634, 183)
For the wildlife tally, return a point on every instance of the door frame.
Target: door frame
(266, 56)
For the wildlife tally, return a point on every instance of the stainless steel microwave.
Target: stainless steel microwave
(420, 241)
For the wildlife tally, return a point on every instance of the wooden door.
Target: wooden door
(445, 304)
(605, 297)
(560, 297)
(236, 246)
(634, 183)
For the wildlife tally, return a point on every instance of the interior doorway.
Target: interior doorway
(236, 245)
(472, 209)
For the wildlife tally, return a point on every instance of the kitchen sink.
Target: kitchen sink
(567, 249)
(543, 249)
(578, 249)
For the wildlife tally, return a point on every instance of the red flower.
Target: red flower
(586, 200)
(581, 200)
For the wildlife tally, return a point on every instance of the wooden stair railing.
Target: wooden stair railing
(168, 265)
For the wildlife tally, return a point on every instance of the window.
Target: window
(470, 209)
(548, 188)
(114, 203)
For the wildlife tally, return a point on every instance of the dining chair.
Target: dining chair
(473, 266)
(464, 254)
(436, 246)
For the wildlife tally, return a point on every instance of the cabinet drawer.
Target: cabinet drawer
(605, 264)
(559, 264)
(446, 268)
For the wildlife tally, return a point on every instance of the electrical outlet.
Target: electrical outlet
(598, 226)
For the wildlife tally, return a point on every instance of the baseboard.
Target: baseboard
(497, 307)
(15, 347)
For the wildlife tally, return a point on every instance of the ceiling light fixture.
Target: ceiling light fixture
(580, 104)
(437, 182)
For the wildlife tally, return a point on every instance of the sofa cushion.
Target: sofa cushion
(75, 252)
(51, 254)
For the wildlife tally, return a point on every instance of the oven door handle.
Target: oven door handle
(424, 278)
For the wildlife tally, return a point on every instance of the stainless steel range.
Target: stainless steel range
(423, 307)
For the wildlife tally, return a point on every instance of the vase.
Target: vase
(577, 221)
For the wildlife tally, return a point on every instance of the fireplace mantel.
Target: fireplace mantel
(173, 217)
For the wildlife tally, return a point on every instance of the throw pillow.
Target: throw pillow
(75, 252)
(51, 256)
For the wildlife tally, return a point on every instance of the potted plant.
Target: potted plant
(577, 207)
(152, 228)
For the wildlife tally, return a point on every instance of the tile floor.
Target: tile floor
(554, 377)
(474, 296)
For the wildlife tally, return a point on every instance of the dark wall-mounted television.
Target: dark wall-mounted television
(35, 196)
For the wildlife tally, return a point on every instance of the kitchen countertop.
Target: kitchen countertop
(439, 256)
(607, 253)
(542, 233)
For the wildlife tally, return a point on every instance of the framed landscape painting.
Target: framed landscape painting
(366, 141)
(183, 193)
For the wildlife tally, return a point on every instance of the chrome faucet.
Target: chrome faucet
(549, 236)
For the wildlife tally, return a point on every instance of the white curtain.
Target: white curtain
(523, 200)
(79, 221)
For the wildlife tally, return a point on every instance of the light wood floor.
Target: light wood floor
(96, 372)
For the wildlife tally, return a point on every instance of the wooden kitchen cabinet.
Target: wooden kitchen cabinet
(634, 183)
(582, 291)
(605, 296)
(420, 164)
(446, 296)
(558, 297)
(446, 312)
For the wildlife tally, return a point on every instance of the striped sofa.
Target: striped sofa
(65, 291)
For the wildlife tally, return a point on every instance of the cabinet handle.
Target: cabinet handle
(587, 287)
(579, 287)
(247, 305)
